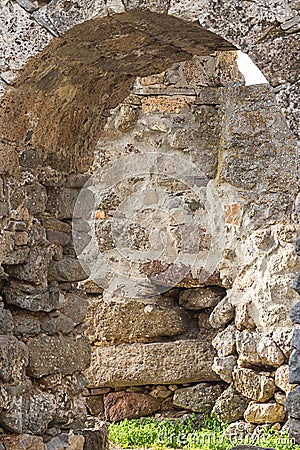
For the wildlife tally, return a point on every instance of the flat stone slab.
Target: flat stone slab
(181, 361)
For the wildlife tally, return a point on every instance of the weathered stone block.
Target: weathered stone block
(295, 313)
(57, 354)
(74, 306)
(131, 320)
(255, 349)
(95, 404)
(35, 268)
(294, 367)
(255, 386)
(24, 441)
(200, 298)
(224, 367)
(33, 298)
(225, 341)
(200, 398)
(294, 429)
(230, 406)
(292, 404)
(13, 359)
(282, 378)
(6, 322)
(260, 413)
(159, 363)
(130, 405)
(67, 270)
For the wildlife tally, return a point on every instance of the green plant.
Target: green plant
(208, 434)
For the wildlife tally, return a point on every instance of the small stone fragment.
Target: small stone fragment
(225, 341)
(224, 367)
(222, 314)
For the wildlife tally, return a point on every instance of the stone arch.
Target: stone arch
(58, 86)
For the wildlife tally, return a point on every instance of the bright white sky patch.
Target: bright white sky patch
(250, 71)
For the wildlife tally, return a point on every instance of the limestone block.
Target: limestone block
(280, 398)
(253, 385)
(225, 341)
(199, 398)
(243, 318)
(283, 338)
(130, 320)
(224, 367)
(160, 363)
(200, 298)
(130, 405)
(57, 354)
(256, 349)
(260, 413)
(230, 406)
(282, 379)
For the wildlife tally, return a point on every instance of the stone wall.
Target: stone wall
(211, 334)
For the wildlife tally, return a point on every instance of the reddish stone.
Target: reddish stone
(130, 405)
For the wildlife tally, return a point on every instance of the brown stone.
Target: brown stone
(22, 442)
(260, 413)
(94, 404)
(200, 298)
(253, 385)
(121, 405)
(162, 363)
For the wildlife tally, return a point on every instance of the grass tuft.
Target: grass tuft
(189, 434)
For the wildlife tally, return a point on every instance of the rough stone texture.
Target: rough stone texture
(131, 320)
(264, 413)
(255, 349)
(282, 379)
(52, 122)
(49, 355)
(199, 398)
(121, 405)
(225, 342)
(139, 364)
(255, 386)
(292, 403)
(14, 359)
(224, 367)
(200, 298)
(230, 406)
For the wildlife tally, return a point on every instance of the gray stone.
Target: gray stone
(33, 298)
(6, 321)
(200, 298)
(74, 305)
(199, 398)
(295, 313)
(294, 429)
(296, 283)
(297, 246)
(230, 406)
(26, 325)
(57, 354)
(160, 363)
(56, 322)
(38, 410)
(36, 199)
(67, 269)
(292, 404)
(222, 314)
(294, 366)
(35, 268)
(28, 5)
